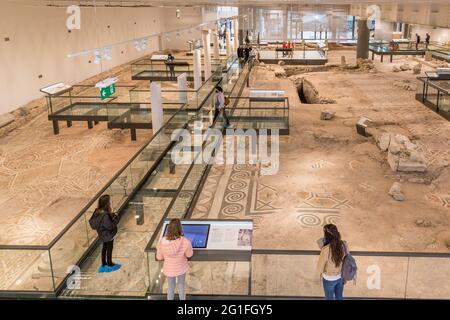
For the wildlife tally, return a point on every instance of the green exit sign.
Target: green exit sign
(108, 91)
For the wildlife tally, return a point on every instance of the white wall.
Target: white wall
(383, 30)
(39, 44)
(189, 17)
(437, 34)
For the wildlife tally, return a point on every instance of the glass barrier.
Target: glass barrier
(272, 274)
(25, 270)
(204, 278)
(259, 113)
(44, 269)
(435, 94)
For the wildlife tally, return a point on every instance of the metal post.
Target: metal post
(55, 127)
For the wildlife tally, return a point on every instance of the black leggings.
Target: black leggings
(107, 253)
(225, 116)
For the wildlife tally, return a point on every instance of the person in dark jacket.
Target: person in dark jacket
(107, 231)
(240, 54)
(417, 41)
(246, 54)
(427, 40)
(170, 59)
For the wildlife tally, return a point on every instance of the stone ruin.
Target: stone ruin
(406, 85)
(417, 69)
(327, 115)
(403, 155)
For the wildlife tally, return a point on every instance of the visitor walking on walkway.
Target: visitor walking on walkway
(219, 106)
(175, 250)
(329, 266)
(104, 221)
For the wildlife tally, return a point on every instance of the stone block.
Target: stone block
(393, 161)
(406, 165)
(401, 139)
(395, 147)
(327, 115)
(383, 141)
(405, 67)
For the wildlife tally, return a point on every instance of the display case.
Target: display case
(435, 94)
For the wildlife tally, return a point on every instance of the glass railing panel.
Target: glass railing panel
(85, 90)
(115, 111)
(25, 270)
(204, 277)
(58, 103)
(423, 284)
(140, 96)
(420, 88)
(431, 95)
(377, 276)
(444, 103)
(120, 188)
(68, 250)
(91, 233)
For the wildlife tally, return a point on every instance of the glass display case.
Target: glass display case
(435, 94)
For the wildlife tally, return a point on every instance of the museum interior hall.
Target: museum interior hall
(254, 124)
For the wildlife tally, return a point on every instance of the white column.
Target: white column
(216, 45)
(285, 25)
(236, 32)
(182, 87)
(207, 52)
(157, 110)
(197, 69)
(228, 43)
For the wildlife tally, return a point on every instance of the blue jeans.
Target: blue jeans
(333, 289)
(181, 285)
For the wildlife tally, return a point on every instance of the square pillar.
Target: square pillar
(197, 69)
(206, 35)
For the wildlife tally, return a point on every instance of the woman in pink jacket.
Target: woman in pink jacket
(175, 250)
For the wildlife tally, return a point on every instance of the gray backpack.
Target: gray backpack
(349, 268)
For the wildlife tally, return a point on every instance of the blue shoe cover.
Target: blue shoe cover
(102, 269)
(114, 267)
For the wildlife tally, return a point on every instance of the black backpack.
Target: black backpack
(96, 220)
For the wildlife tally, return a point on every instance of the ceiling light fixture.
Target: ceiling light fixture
(97, 57)
(107, 54)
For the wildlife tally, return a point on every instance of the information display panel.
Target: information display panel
(226, 237)
(197, 233)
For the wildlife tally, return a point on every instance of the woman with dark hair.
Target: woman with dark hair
(175, 250)
(219, 106)
(329, 266)
(107, 231)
